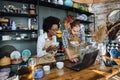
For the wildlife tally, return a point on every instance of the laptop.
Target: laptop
(88, 60)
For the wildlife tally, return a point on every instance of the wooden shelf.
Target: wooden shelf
(87, 22)
(24, 1)
(18, 15)
(18, 31)
(52, 5)
(29, 39)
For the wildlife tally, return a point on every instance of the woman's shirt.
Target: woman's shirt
(41, 44)
(65, 38)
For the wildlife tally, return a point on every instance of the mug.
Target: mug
(46, 68)
(59, 65)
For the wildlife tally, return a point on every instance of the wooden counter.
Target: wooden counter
(91, 73)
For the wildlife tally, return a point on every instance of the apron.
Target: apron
(48, 58)
(48, 43)
(74, 51)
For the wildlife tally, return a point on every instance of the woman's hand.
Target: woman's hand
(55, 48)
(75, 59)
(52, 48)
(70, 57)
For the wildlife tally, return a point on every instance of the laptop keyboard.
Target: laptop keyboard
(79, 66)
(88, 60)
(76, 66)
(74, 63)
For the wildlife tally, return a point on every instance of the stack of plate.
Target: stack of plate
(15, 57)
(82, 17)
(26, 54)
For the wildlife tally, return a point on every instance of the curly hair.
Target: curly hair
(49, 21)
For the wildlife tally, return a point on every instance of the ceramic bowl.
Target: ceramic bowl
(38, 73)
(84, 17)
(55, 44)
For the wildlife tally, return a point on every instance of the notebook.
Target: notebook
(87, 61)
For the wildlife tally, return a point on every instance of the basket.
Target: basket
(4, 61)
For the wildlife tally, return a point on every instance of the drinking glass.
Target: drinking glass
(102, 52)
(32, 62)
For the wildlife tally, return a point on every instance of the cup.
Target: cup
(46, 68)
(59, 65)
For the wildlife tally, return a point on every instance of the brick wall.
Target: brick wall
(101, 10)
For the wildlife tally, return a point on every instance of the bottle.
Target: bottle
(33, 35)
(13, 25)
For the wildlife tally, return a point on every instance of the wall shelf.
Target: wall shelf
(24, 1)
(29, 39)
(86, 22)
(18, 31)
(63, 7)
(52, 5)
(18, 15)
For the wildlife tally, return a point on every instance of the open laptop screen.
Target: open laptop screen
(87, 61)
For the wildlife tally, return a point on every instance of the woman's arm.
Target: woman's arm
(75, 59)
(65, 45)
(65, 42)
(65, 38)
(40, 46)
